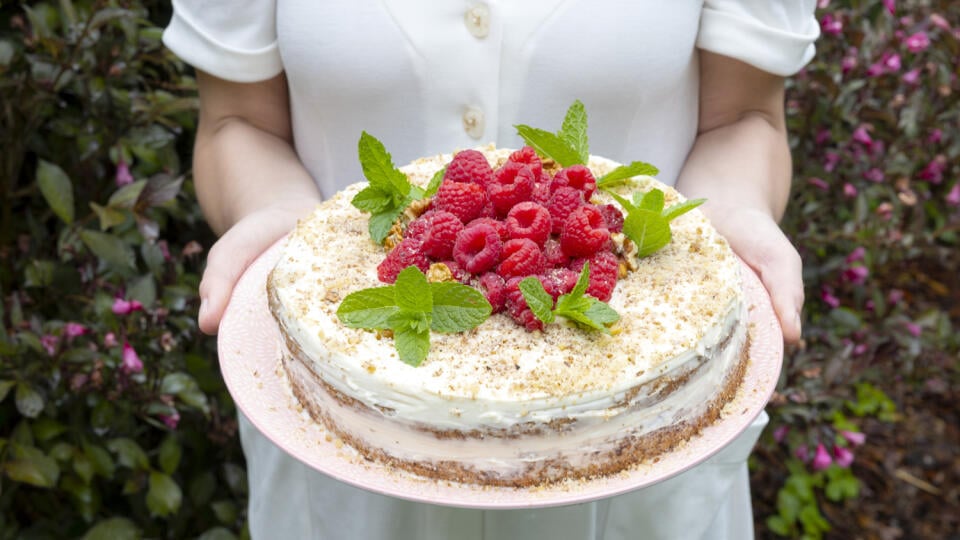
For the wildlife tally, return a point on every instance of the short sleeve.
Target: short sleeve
(235, 40)
(776, 36)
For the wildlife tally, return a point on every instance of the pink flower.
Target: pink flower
(856, 255)
(802, 453)
(848, 63)
(914, 328)
(936, 135)
(126, 307)
(171, 420)
(843, 456)
(823, 136)
(828, 298)
(859, 349)
(110, 340)
(50, 343)
(937, 20)
(891, 6)
(874, 175)
(917, 42)
(912, 76)
(855, 438)
(830, 25)
(856, 275)
(830, 160)
(862, 136)
(123, 176)
(130, 361)
(849, 190)
(818, 183)
(934, 170)
(780, 433)
(821, 458)
(891, 61)
(164, 249)
(822, 4)
(894, 296)
(953, 198)
(72, 330)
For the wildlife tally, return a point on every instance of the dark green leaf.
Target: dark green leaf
(160, 189)
(457, 307)
(29, 465)
(45, 429)
(109, 217)
(101, 460)
(29, 401)
(109, 248)
(117, 528)
(163, 495)
(57, 189)
(126, 196)
(226, 511)
(538, 299)
(368, 308)
(217, 533)
(129, 454)
(550, 145)
(169, 453)
(5, 387)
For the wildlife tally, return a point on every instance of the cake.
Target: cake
(502, 404)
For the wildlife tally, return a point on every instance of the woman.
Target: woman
(696, 88)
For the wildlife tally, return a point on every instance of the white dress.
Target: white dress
(427, 77)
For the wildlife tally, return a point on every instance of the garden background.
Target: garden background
(114, 421)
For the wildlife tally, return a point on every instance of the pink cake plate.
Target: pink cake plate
(250, 349)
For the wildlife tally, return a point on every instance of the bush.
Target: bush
(114, 420)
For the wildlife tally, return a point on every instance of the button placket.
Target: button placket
(477, 20)
(473, 122)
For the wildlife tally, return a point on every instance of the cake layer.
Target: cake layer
(500, 401)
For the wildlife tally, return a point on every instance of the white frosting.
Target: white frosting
(682, 303)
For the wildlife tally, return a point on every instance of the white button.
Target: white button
(473, 122)
(477, 19)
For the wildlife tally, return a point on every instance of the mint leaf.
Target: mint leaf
(378, 167)
(550, 145)
(680, 209)
(652, 200)
(649, 230)
(411, 345)
(582, 283)
(625, 172)
(457, 307)
(403, 319)
(372, 199)
(435, 182)
(574, 130)
(368, 308)
(380, 223)
(538, 299)
(584, 309)
(601, 312)
(412, 291)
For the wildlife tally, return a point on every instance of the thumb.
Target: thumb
(780, 269)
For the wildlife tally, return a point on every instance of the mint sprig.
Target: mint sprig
(413, 307)
(624, 173)
(388, 193)
(569, 146)
(647, 223)
(576, 306)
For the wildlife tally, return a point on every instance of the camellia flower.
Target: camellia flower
(874, 175)
(821, 458)
(72, 330)
(123, 176)
(122, 306)
(171, 420)
(828, 298)
(855, 438)
(818, 183)
(848, 63)
(862, 136)
(917, 42)
(856, 275)
(856, 255)
(914, 329)
(831, 25)
(802, 453)
(936, 135)
(912, 76)
(891, 61)
(49, 343)
(843, 456)
(937, 20)
(131, 362)
(780, 433)
(953, 198)
(110, 340)
(849, 190)
(934, 170)
(830, 160)
(891, 6)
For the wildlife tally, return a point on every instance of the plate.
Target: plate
(250, 349)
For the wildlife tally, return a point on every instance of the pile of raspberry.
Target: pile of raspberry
(493, 228)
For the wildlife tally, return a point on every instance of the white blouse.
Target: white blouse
(433, 77)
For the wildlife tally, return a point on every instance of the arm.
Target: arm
(250, 183)
(740, 163)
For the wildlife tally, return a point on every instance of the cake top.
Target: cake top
(675, 302)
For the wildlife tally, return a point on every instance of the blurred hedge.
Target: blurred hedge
(114, 422)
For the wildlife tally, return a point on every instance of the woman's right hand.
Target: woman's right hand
(250, 182)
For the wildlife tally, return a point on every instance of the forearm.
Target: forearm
(240, 169)
(741, 165)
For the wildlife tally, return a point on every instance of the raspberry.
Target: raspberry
(417, 228)
(528, 156)
(521, 257)
(469, 166)
(440, 231)
(516, 306)
(563, 201)
(493, 287)
(604, 270)
(466, 201)
(613, 217)
(512, 184)
(529, 220)
(541, 190)
(584, 232)
(559, 281)
(554, 254)
(500, 226)
(406, 253)
(578, 177)
(477, 248)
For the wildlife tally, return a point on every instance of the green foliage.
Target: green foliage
(114, 422)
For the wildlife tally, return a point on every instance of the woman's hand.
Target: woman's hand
(250, 182)
(740, 163)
